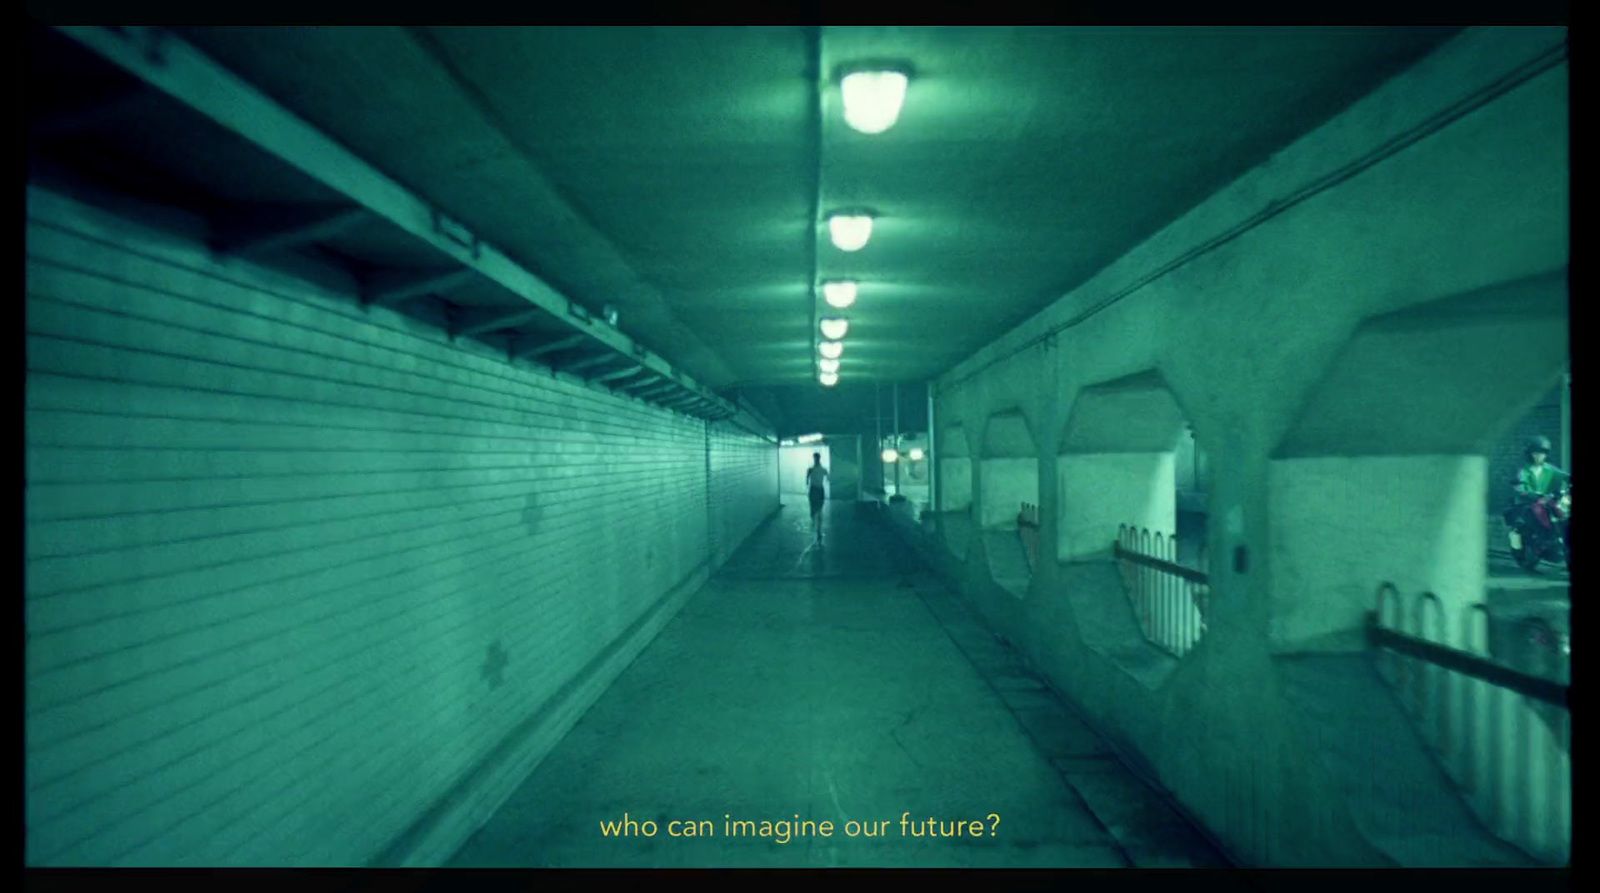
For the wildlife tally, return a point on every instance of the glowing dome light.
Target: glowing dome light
(872, 99)
(834, 328)
(839, 294)
(831, 349)
(827, 365)
(916, 454)
(890, 455)
(828, 379)
(850, 232)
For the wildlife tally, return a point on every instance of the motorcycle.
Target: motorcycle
(1545, 527)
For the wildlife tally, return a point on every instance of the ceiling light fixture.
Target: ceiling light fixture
(872, 99)
(828, 379)
(834, 328)
(839, 294)
(831, 349)
(827, 365)
(850, 232)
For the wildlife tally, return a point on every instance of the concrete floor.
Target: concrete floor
(837, 683)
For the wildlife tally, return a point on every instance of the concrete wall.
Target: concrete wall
(1192, 473)
(955, 484)
(954, 457)
(1100, 492)
(743, 486)
(307, 585)
(1340, 526)
(1451, 178)
(844, 471)
(1006, 484)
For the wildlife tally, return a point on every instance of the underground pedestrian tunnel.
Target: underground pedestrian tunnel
(416, 424)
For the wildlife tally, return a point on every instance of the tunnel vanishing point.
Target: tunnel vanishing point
(418, 424)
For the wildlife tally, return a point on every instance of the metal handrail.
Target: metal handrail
(1467, 664)
(1481, 718)
(1176, 570)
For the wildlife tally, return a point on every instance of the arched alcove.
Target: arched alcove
(1117, 464)
(1117, 484)
(1009, 467)
(1382, 476)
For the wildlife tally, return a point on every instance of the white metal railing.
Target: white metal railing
(1169, 599)
(1503, 734)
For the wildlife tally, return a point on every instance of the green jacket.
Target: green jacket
(1532, 483)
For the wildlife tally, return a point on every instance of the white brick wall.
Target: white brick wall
(272, 543)
(744, 486)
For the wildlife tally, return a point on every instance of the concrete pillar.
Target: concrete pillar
(933, 455)
(897, 438)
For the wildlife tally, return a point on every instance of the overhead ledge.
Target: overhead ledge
(169, 64)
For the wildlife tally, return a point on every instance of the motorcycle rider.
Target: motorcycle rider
(1537, 478)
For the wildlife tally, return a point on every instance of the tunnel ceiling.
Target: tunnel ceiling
(680, 173)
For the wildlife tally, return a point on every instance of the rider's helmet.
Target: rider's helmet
(1539, 445)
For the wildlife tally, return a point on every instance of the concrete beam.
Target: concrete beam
(549, 347)
(620, 373)
(163, 60)
(393, 288)
(657, 390)
(589, 362)
(290, 230)
(684, 399)
(478, 322)
(644, 383)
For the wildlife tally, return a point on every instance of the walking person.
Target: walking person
(816, 477)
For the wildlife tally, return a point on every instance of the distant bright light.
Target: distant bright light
(850, 232)
(916, 454)
(834, 328)
(827, 365)
(839, 294)
(872, 99)
(890, 455)
(808, 438)
(828, 379)
(831, 349)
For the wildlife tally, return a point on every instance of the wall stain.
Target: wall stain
(494, 665)
(532, 514)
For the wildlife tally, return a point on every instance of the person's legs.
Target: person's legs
(1513, 520)
(816, 514)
